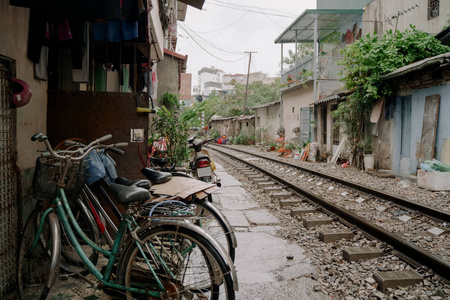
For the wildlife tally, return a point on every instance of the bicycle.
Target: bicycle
(211, 218)
(167, 259)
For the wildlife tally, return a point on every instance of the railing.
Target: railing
(327, 68)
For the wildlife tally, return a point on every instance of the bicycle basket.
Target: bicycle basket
(47, 173)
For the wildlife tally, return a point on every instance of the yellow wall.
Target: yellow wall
(31, 118)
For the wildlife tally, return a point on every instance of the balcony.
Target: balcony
(327, 69)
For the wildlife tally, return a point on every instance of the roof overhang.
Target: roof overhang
(181, 11)
(194, 3)
(328, 21)
(442, 59)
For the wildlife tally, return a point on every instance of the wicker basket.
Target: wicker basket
(47, 173)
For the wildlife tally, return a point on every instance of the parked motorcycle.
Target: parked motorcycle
(201, 163)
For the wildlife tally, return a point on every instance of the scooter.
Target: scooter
(201, 163)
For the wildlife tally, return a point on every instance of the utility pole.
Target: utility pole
(248, 75)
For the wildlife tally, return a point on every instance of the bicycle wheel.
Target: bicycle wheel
(185, 261)
(71, 261)
(38, 266)
(216, 224)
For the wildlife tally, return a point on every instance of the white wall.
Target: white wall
(298, 98)
(380, 11)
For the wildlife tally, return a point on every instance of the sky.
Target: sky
(221, 33)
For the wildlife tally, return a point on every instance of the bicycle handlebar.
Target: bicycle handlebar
(84, 151)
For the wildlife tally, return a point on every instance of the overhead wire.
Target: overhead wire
(221, 49)
(252, 9)
(204, 49)
(225, 26)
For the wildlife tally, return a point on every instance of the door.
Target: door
(405, 145)
(304, 125)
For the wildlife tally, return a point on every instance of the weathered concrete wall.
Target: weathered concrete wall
(168, 76)
(245, 126)
(90, 115)
(31, 118)
(267, 121)
(293, 101)
(379, 11)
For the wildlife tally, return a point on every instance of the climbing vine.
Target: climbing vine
(363, 63)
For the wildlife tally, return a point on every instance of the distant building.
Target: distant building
(210, 79)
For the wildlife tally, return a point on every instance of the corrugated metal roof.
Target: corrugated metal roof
(438, 59)
(329, 98)
(328, 21)
(266, 104)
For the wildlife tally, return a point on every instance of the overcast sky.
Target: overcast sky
(219, 34)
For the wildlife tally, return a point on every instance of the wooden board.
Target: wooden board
(429, 128)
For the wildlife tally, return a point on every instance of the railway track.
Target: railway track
(414, 231)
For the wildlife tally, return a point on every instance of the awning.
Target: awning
(194, 3)
(328, 21)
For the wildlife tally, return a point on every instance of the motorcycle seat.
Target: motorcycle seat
(142, 183)
(156, 177)
(128, 194)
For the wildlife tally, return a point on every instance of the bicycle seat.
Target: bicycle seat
(142, 183)
(128, 194)
(160, 162)
(156, 177)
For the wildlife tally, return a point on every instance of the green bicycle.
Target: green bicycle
(166, 259)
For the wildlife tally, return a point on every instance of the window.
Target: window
(246, 124)
(293, 110)
(335, 131)
(433, 9)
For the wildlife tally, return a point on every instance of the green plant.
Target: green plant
(241, 139)
(291, 146)
(169, 125)
(364, 62)
(366, 147)
(170, 101)
(214, 134)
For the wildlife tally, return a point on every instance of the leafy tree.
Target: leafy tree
(303, 49)
(364, 62)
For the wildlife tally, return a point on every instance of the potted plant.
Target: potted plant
(272, 146)
(367, 150)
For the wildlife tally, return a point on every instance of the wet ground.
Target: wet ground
(268, 267)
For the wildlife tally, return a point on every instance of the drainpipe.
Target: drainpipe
(281, 97)
(316, 57)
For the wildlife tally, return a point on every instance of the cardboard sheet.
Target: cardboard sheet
(181, 187)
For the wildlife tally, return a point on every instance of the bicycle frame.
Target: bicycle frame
(64, 213)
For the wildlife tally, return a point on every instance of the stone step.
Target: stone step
(364, 253)
(289, 202)
(262, 179)
(266, 183)
(298, 211)
(387, 280)
(331, 235)
(316, 221)
(272, 189)
(282, 195)
(256, 176)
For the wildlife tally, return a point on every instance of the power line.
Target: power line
(237, 6)
(221, 49)
(208, 51)
(253, 11)
(225, 26)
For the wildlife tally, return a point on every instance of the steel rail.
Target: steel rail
(406, 248)
(444, 216)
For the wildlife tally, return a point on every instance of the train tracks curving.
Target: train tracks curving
(416, 232)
